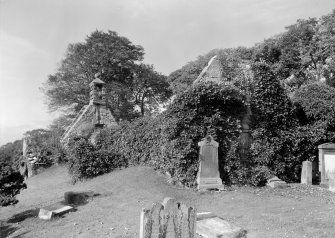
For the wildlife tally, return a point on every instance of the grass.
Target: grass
(297, 211)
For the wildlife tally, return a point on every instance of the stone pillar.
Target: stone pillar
(331, 181)
(306, 173)
(326, 161)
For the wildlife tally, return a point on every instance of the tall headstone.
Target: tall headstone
(326, 161)
(208, 174)
(306, 173)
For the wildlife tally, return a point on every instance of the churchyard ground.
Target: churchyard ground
(114, 211)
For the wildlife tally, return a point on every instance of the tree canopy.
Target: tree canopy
(117, 60)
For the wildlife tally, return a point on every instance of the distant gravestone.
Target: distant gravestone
(306, 173)
(331, 182)
(208, 174)
(276, 182)
(168, 220)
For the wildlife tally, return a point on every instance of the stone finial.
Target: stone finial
(212, 72)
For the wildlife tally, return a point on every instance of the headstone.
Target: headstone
(306, 173)
(169, 219)
(275, 182)
(208, 174)
(326, 161)
(211, 226)
(331, 182)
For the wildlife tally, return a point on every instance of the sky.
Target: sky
(34, 35)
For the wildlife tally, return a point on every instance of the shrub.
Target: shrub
(11, 183)
(169, 142)
(85, 161)
(318, 104)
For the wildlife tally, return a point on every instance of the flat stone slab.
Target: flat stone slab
(275, 182)
(211, 226)
(51, 211)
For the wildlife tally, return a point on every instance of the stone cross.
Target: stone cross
(169, 219)
(306, 173)
(208, 174)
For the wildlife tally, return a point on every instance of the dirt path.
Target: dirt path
(298, 211)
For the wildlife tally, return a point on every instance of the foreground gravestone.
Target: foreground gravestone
(51, 211)
(168, 219)
(208, 175)
(306, 173)
(209, 225)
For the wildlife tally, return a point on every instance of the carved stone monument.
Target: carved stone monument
(168, 219)
(306, 173)
(208, 174)
(326, 161)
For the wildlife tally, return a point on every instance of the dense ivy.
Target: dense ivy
(169, 142)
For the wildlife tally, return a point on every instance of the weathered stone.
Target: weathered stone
(211, 73)
(168, 220)
(211, 226)
(331, 181)
(51, 211)
(208, 175)
(306, 173)
(94, 115)
(275, 182)
(326, 161)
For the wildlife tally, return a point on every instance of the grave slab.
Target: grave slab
(211, 226)
(275, 182)
(51, 211)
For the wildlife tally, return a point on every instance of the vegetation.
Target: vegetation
(128, 83)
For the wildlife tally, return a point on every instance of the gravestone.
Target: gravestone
(276, 182)
(326, 161)
(168, 219)
(211, 226)
(331, 181)
(208, 174)
(306, 173)
(51, 211)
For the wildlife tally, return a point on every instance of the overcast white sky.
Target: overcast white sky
(34, 35)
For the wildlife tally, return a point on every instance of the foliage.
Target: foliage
(116, 59)
(45, 145)
(150, 89)
(318, 104)
(271, 106)
(11, 152)
(232, 62)
(85, 161)
(11, 182)
(169, 142)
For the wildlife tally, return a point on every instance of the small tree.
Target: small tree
(11, 183)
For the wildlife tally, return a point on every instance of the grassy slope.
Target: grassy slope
(294, 212)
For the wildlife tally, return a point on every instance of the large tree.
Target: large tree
(115, 58)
